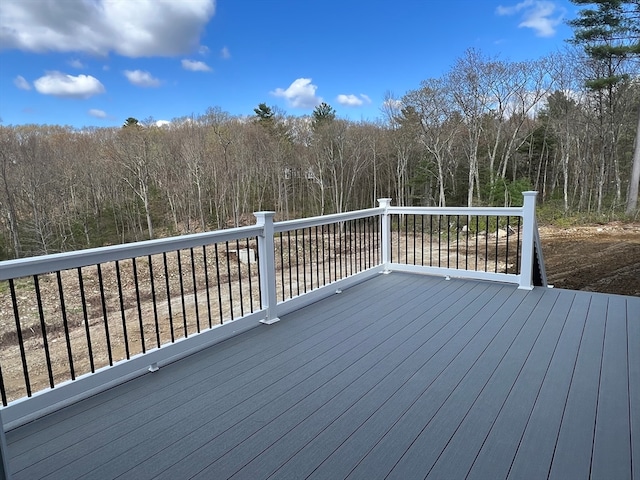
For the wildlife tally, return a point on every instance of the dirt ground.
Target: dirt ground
(597, 258)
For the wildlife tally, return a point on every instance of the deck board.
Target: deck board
(404, 375)
(611, 451)
(499, 447)
(633, 352)
(534, 450)
(572, 456)
(455, 435)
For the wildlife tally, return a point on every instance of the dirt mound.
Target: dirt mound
(596, 258)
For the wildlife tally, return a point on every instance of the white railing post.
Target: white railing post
(5, 474)
(385, 233)
(267, 263)
(528, 232)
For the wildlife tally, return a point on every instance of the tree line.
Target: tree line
(480, 134)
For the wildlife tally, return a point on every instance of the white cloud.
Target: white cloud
(62, 85)
(392, 104)
(139, 28)
(162, 123)
(75, 63)
(353, 100)
(94, 112)
(141, 78)
(195, 66)
(540, 15)
(21, 83)
(300, 94)
(225, 53)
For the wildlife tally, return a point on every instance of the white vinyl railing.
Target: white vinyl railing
(199, 289)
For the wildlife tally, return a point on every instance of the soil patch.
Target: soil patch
(596, 258)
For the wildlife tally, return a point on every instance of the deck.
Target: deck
(403, 376)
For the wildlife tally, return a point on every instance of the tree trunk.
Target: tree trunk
(632, 199)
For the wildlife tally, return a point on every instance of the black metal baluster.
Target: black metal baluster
(239, 278)
(104, 314)
(282, 267)
(518, 247)
(249, 258)
(65, 324)
(3, 391)
(497, 238)
(229, 279)
(335, 255)
(260, 273)
(486, 245)
(376, 240)
(466, 259)
(318, 259)
(166, 276)
(422, 240)
(206, 284)
(477, 238)
(371, 239)
(439, 240)
(406, 239)
(457, 240)
(348, 261)
(506, 259)
(23, 354)
(153, 297)
(329, 250)
(215, 246)
(85, 316)
(195, 289)
(304, 261)
(43, 329)
(431, 240)
(399, 237)
(359, 235)
(340, 248)
(295, 234)
(138, 303)
(289, 261)
(413, 218)
(448, 240)
(122, 314)
(182, 302)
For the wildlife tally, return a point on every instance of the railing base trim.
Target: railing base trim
(44, 402)
(325, 291)
(456, 273)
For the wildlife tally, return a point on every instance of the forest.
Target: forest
(480, 134)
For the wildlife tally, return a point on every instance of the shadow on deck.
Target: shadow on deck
(402, 376)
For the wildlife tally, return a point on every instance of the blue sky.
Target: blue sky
(97, 62)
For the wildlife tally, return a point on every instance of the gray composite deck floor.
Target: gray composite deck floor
(403, 376)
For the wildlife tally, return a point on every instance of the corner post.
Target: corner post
(5, 473)
(528, 232)
(267, 265)
(386, 234)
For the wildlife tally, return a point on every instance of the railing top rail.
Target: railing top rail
(325, 219)
(24, 267)
(502, 211)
